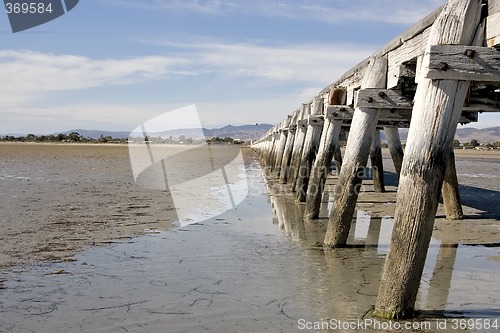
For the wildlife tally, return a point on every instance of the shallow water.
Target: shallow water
(256, 268)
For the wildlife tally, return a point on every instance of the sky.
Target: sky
(114, 64)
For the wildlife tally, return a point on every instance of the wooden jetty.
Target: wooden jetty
(443, 71)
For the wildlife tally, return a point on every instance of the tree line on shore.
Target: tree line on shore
(61, 137)
(76, 137)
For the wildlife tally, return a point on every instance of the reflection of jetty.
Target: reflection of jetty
(441, 72)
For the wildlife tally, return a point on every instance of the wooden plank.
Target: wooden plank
(483, 105)
(493, 30)
(382, 99)
(316, 120)
(493, 7)
(458, 62)
(409, 50)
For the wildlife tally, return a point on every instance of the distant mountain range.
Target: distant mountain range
(244, 132)
(466, 134)
(249, 132)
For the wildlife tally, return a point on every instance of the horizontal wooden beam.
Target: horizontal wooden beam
(316, 120)
(483, 105)
(302, 123)
(469, 63)
(391, 116)
(382, 99)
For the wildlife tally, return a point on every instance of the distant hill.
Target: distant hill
(96, 134)
(249, 132)
(466, 134)
(482, 135)
(244, 132)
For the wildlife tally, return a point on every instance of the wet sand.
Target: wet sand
(256, 268)
(59, 199)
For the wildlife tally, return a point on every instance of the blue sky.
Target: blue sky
(113, 64)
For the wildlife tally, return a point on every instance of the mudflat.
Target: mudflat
(58, 199)
(259, 267)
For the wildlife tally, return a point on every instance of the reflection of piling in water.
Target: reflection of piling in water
(373, 238)
(423, 76)
(440, 282)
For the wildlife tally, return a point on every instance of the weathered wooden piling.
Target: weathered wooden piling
(377, 163)
(298, 144)
(438, 104)
(395, 147)
(281, 145)
(329, 144)
(450, 192)
(356, 157)
(427, 80)
(287, 152)
(310, 149)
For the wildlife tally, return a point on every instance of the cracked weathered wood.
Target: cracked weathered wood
(435, 117)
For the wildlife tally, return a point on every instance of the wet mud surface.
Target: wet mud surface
(257, 268)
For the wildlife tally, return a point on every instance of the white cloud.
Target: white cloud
(334, 12)
(28, 75)
(318, 63)
(31, 75)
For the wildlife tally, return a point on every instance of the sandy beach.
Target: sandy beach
(84, 249)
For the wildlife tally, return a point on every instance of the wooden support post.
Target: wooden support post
(395, 147)
(298, 145)
(337, 153)
(287, 152)
(436, 112)
(321, 168)
(450, 192)
(281, 145)
(272, 151)
(337, 96)
(377, 163)
(356, 156)
(311, 145)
